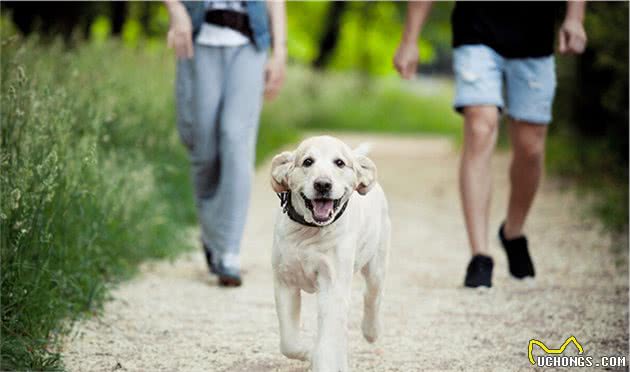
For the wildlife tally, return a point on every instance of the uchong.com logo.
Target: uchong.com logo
(554, 357)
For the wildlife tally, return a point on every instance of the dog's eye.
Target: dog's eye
(340, 163)
(307, 162)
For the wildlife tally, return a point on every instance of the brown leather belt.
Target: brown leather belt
(234, 20)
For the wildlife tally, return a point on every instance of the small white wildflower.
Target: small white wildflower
(21, 73)
(49, 196)
(15, 198)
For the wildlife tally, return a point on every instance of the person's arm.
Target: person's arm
(406, 58)
(179, 35)
(572, 36)
(276, 65)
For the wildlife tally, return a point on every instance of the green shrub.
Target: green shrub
(94, 180)
(589, 137)
(354, 102)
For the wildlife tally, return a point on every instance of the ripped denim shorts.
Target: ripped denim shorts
(530, 83)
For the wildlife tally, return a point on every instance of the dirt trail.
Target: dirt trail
(173, 317)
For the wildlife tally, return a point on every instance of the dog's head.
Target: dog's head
(322, 173)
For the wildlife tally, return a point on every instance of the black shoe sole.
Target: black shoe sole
(477, 285)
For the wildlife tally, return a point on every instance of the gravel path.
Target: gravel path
(173, 317)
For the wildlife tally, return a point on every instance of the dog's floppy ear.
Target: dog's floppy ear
(364, 169)
(281, 165)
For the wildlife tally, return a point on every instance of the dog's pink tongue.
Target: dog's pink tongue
(322, 209)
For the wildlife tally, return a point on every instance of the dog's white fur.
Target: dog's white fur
(323, 259)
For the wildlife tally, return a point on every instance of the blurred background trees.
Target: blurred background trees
(590, 131)
(589, 136)
(325, 35)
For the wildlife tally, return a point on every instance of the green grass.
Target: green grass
(352, 102)
(94, 181)
(594, 168)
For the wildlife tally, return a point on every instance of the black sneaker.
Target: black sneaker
(479, 272)
(519, 260)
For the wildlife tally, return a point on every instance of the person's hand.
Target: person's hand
(572, 37)
(179, 35)
(275, 70)
(406, 59)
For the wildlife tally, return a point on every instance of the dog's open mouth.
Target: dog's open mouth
(323, 209)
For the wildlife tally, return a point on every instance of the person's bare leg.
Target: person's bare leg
(475, 179)
(528, 149)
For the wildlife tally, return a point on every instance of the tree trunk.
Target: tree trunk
(119, 13)
(329, 41)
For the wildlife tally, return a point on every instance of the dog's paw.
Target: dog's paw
(371, 329)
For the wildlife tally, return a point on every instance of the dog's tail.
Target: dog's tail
(363, 149)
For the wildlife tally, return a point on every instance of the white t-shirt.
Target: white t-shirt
(214, 35)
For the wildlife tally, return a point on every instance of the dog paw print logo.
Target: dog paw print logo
(547, 350)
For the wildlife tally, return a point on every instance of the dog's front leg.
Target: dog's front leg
(288, 304)
(331, 349)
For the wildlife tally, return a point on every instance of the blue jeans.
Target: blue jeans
(481, 73)
(219, 98)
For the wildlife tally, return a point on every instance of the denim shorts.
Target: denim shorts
(482, 76)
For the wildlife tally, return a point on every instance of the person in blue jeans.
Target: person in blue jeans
(223, 71)
(500, 47)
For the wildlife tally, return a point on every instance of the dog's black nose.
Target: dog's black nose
(322, 186)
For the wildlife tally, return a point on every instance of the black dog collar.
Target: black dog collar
(287, 207)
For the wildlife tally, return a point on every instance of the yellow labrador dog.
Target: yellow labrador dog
(333, 222)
